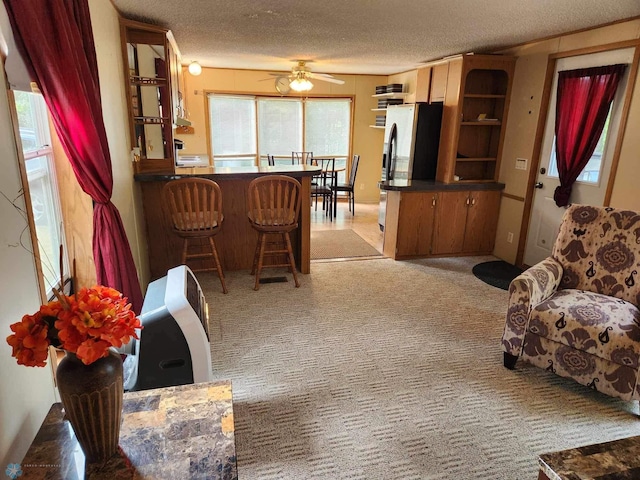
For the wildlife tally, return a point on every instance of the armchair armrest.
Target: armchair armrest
(525, 292)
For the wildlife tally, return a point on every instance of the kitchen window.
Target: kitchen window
(245, 129)
(45, 204)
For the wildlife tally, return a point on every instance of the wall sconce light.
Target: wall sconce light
(195, 68)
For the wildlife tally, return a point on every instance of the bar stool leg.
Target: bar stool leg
(216, 259)
(292, 262)
(256, 255)
(262, 241)
(185, 248)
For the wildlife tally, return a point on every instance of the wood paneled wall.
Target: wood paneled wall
(77, 214)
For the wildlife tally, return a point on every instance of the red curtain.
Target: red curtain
(582, 106)
(56, 41)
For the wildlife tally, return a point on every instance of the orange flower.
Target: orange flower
(87, 323)
(29, 342)
(91, 350)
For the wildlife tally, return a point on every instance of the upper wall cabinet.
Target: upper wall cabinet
(476, 102)
(151, 80)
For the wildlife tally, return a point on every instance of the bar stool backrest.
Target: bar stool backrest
(274, 202)
(192, 206)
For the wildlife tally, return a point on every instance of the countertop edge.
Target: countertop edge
(433, 186)
(163, 177)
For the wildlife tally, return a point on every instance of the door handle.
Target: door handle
(538, 185)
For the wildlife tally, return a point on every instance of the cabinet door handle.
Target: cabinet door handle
(467, 201)
(433, 201)
(473, 201)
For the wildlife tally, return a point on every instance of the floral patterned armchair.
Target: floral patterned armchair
(576, 313)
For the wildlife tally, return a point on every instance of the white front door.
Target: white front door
(591, 186)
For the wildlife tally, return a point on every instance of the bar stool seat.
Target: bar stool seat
(274, 208)
(193, 210)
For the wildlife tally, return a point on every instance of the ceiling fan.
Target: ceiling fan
(300, 77)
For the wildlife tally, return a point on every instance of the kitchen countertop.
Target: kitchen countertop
(433, 185)
(174, 432)
(230, 173)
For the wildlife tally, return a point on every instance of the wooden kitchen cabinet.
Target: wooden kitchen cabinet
(465, 222)
(482, 222)
(449, 222)
(423, 84)
(410, 215)
(439, 75)
(440, 222)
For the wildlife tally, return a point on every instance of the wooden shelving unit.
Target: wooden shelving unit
(478, 87)
(386, 95)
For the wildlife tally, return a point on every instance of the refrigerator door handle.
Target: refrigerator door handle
(392, 151)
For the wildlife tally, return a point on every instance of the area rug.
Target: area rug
(497, 273)
(340, 244)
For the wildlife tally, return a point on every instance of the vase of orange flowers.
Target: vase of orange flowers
(86, 325)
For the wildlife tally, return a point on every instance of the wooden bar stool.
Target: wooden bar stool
(274, 208)
(193, 209)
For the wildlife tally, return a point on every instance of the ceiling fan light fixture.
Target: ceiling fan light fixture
(301, 84)
(195, 68)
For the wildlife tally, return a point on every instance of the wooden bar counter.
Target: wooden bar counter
(236, 241)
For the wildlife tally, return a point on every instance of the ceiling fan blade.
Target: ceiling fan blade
(325, 77)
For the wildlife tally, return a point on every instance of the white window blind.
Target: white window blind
(327, 130)
(233, 130)
(279, 128)
(244, 128)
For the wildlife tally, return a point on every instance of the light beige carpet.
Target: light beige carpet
(391, 370)
(327, 244)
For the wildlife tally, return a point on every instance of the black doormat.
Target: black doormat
(497, 273)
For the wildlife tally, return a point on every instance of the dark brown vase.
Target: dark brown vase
(92, 399)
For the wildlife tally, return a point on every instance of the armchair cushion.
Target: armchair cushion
(591, 322)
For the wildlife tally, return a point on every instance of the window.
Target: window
(592, 170)
(36, 147)
(233, 130)
(245, 129)
(328, 127)
(279, 129)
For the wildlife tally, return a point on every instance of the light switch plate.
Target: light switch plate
(521, 163)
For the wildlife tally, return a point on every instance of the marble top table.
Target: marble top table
(617, 460)
(167, 433)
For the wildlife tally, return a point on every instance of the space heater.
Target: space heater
(173, 348)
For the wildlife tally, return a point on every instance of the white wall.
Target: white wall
(26, 393)
(126, 193)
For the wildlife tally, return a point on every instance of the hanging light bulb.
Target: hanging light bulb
(195, 69)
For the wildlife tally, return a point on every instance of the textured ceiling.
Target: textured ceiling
(361, 36)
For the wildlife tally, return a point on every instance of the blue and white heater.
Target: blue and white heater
(174, 347)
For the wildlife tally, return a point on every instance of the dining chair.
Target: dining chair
(274, 207)
(301, 158)
(349, 188)
(270, 160)
(322, 184)
(192, 208)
